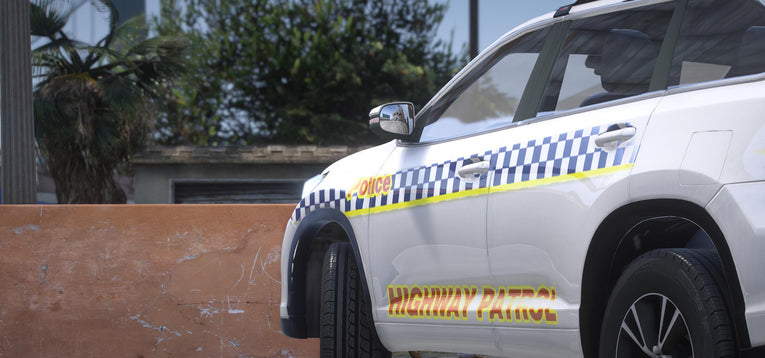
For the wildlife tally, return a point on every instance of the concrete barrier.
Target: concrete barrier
(143, 281)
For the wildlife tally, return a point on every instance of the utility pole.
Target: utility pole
(16, 114)
(473, 29)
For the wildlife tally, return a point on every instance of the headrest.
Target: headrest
(627, 61)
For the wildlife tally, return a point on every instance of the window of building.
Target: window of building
(236, 191)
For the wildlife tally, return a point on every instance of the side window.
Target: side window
(490, 95)
(719, 39)
(607, 57)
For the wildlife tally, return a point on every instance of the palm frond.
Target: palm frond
(108, 7)
(169, 48)
(75, 59)
(105, 53)
(45, 20)
(57, 45)
(53, 64)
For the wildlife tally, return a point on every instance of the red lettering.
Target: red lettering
(405, 298)
(414, 302)
(487, 297)
(386, 184)
(496, 309)
(395, 300)
(527, 293)
(513, 294)
(442, 304)
(537, 314)
(363, 189)
(372, 182)
(523, 304)
(542, 292)
(428, 299)
(454, 308)
(354, 189)
(470, 293)
(551, 317)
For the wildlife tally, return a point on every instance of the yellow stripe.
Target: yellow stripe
(559, 179)
(483, 191)
(418, 202)
(431, 200)
(356, 212)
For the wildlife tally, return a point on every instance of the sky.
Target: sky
(495, 18)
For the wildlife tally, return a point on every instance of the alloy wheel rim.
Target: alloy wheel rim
(654, 327)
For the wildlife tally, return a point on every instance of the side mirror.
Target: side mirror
(392, 120)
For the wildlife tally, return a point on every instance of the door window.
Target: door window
(490, 98)
(719, 39)
(607, 57)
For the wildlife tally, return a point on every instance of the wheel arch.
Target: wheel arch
(315, 233)
(640, 227)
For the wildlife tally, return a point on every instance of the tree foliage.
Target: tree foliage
(92, 103)
(299, 71)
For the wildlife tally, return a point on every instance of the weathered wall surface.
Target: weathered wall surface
(143, 281)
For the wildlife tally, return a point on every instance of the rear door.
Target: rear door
(557, 176)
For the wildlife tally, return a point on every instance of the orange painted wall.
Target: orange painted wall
(143, 281)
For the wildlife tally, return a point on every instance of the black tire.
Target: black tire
(347, 327)
(657, 286)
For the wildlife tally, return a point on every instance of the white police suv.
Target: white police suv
(593, 184)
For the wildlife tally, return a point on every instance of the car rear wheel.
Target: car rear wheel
(347, 327)
(668, 303)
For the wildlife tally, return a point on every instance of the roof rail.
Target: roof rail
(564, 10)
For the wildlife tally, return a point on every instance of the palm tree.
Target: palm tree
(94, 103)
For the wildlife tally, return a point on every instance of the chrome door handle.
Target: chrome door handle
(471, 172)
(613, 137)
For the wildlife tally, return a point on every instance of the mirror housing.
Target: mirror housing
(393, 120)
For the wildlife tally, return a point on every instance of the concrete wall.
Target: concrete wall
(143, 281)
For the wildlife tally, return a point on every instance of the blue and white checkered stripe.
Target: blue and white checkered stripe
(329, 198)
(568, 153)
(429, 181)
(548, 157)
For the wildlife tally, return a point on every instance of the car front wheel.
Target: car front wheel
(347, 327)
(668, 303)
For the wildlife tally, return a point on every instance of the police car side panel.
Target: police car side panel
(550, 194)
(694, 144)
(695, 149)
(429, 243)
